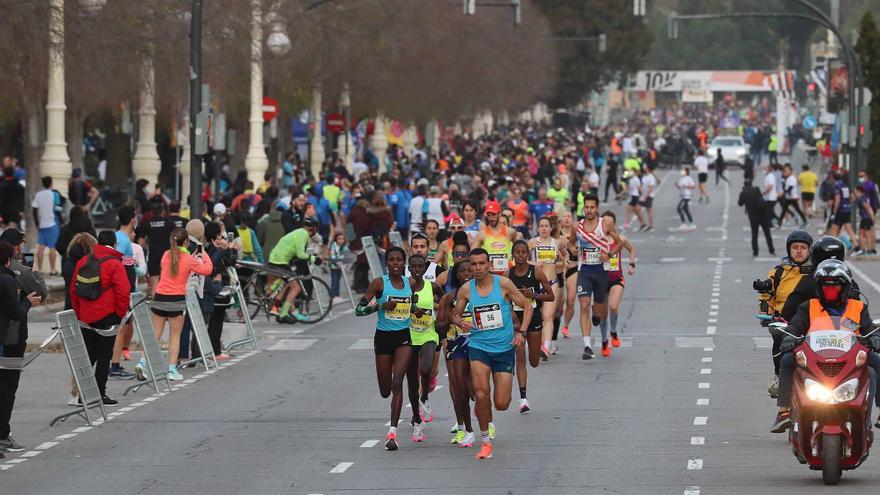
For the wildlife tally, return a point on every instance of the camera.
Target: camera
(763, 286)
(27, 259)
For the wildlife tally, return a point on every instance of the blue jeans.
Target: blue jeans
(335, 278)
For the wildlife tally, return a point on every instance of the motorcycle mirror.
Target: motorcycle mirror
(876, 327)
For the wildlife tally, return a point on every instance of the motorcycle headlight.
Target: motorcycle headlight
(820, 393)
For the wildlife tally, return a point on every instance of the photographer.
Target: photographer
(215, 301)
(780, 283)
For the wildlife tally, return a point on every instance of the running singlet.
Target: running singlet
(612, 266)
(466, 315)
(449, 259)
(590, 245)
(430, 272)
(398, 318)
(499, 247)
(473, 229)
(421, 330)
(545, 254)
(530, 281)
(493, 324)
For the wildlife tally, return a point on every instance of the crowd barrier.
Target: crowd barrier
(251, 337)
(377, 268)
(395, 239)
(155, 363)
(80, 366)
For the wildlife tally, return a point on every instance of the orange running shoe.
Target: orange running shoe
(565, 332)
(485, 451)
(615, 340)
(606, 349)
(391, 441)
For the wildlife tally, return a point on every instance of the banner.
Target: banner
(712, 81)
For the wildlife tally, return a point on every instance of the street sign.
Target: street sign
(810, 122)
(270, 108)
(335, 122)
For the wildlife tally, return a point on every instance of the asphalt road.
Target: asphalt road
(680, 409)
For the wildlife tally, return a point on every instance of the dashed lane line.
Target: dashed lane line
(369, 444)
(695, 464)
(341, 467)
(700, 420)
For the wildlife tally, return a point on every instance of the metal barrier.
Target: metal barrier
(377, 269)
(154, 359)
(19, 363)
(200, 330)
(251, 337)
(80, 366)
(395, 239)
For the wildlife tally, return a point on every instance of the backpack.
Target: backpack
(88, 279)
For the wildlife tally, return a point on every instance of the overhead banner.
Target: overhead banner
(694, 81)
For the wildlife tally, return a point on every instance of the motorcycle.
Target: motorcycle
(831, 400)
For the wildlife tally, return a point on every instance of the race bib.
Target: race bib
(487, 317)
(400, 311)
(545, 254)
(590, 256)
(613, 264)
(422, 324)
(466, 317)
(517, 308)
(499, 262)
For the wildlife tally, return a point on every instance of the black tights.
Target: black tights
(419, 372)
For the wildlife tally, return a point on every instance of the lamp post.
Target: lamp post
(146, 163)
(256, 162)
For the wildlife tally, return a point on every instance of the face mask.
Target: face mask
(862, 180)
(831, 292)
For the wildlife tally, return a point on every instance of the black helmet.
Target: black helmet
(310, 222)
(798, 236)
(826, 248)
(833, 282)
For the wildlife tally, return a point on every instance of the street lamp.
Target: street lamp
(278, 41)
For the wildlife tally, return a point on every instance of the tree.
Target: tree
(868, 50)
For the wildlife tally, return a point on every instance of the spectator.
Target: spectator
(293, 217)
(79, 247)
(757, 209)
(13, 337)
(80, 192)
(249, 248)
(270, 229)
(216, 300)
(44, 205)
(337, 253)
(169, 302)
(79, 222)
(124, 235)
(12, 194)
(104, 311)
(324, 213)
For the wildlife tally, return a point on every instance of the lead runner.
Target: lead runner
(492, 340)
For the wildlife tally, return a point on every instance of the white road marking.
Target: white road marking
(712, 320)
(702, 402)
(701, 420)
(874, 285)
(698, 440)
(713, 313)
(150, 399)
(695, 464)
(31, 453)
(82, 429)
(4, 467)
(703, 385)
(17, 461)
(692, 490)
(126, 409)
(708, 349)
(713, 300)
(710, 330)
(341, 467)
(139, 404)
(65, 436)
(707, 360)
(706, 371)
(362, 344)
(713, 306)
(369, 443)
(46, 445)
(673, 259)
(293, 344)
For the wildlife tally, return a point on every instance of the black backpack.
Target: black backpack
(88, 279)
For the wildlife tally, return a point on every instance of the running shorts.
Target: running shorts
(866, 224)
(703, 177)
(648, 202)
(537, 321)
(498, 362)
(618, 281)
(560, 279)
(571, 271)
(841, 218)
(457, 348)
(633, 200)
(807, 196)
(387, 343)
(593, 284)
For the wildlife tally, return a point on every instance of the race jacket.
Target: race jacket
(812, 316)
(785, 277)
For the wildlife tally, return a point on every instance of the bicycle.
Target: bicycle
(313, 302)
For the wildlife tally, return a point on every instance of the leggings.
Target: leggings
(419, 371)
(684, 210)
(792, 203)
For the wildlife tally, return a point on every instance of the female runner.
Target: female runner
(545, 253)
(425, 296)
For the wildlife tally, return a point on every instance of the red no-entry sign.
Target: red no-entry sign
(270, 108)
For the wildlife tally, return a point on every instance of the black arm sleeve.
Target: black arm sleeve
(865, 325)
(801, 321)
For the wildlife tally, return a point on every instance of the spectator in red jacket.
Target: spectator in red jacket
(105, 311)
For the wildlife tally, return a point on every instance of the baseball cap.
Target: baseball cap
(422, 182)
(219, 209)
(493, 207)
(12, 236)
(455, 220)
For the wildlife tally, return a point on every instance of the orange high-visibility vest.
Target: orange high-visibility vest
(821, 320)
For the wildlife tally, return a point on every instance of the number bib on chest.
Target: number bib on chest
(517, 308)
(400, 311)
(487, 317)
(498, 262)
(545, 254)
(613, 264)
(422, 324)
(590, 256)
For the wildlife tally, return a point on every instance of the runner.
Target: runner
(457, 359)
(444, 256)
(472, 224)
(458, 253)
(425, 342)
(532, 282)
(685, 186)
(594, 246)
(545, 253)
(491, 346)
(616, 284)
(496, 239)
(418, 244)
(649, 189)
(634, 209)
(432, 228)
(391, 343)
(566, 229)
(701, 163)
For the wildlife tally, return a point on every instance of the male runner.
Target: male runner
(596, 240)
(492, 340)
(418, 244)
(496, 239)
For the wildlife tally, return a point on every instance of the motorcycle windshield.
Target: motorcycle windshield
(831, 343)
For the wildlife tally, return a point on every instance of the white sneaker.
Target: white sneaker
(425, 412)
(554, 347)
(338, 300)
(682, 228)
(523, 406)
(173, 374)
(418, 432)
(468, 440)
(692, 226)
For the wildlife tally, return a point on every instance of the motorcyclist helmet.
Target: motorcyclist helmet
(825, 248)
(801, 236)
(834, 282)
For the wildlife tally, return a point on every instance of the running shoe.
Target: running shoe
(10, 445)
(126, 355)
(773, 388)
(274, 311)
(545, 353)
(457, 437)
(222, 357)
(643, 228)
(588, 353)
(554, 347)
(391, 441)
(173, 374)
(606, 349)
(565, 333)
(454, 428)
(108, 401)
(524, 406)
(485, 451)
(300, 317)
(425, 412)
(491, 431)
(287, 319)
(121, 373)
(418, 433)
(615, 340)
(433, 385)
(783, 422)
(467, 439)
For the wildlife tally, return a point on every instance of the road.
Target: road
(680, 409)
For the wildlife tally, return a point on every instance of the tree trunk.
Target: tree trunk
(33, 140)
(75, 123)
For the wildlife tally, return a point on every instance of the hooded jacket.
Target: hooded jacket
(114, 284)
(270, 229)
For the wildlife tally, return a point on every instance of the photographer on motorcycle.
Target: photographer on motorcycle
(831, 308)
(775, 291)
